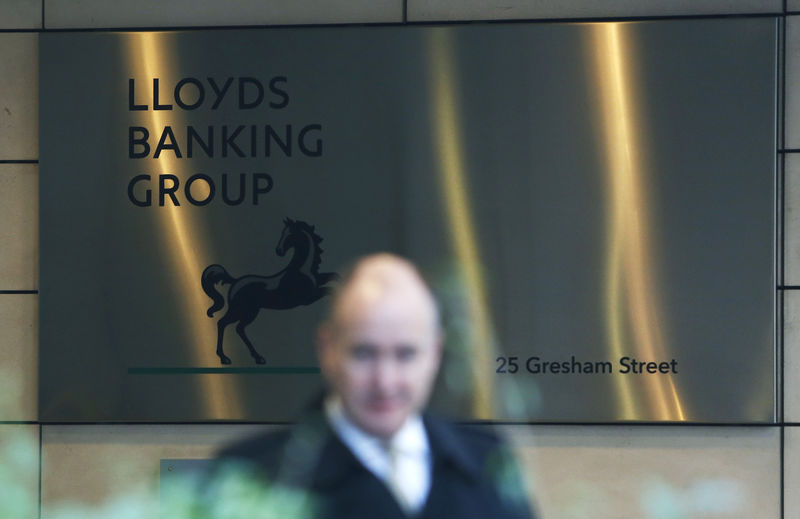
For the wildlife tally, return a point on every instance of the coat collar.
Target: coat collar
(336, 463)
(448, 447)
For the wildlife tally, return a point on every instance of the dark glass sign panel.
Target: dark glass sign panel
(593, 203)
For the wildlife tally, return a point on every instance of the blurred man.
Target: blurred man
(372, 451)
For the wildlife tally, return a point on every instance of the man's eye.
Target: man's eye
(362, 352)
(406, 353)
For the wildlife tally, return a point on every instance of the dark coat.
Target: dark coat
(474, 474)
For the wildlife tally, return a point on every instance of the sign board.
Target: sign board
(593, 203)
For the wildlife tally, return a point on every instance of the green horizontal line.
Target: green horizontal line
(275, 370)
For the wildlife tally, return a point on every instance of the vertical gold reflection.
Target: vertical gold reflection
(634, 320)
(151, 56)
(454, 188)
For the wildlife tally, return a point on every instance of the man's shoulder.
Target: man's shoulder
(291, 454)
(263, 448)
(469, 443)
(478, 436)
(493, 480)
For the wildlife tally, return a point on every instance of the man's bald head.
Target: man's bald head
(381, 347)
(385, 280)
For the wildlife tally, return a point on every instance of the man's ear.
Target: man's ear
(439, 347)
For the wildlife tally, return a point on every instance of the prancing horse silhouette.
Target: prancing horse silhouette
(299, 283)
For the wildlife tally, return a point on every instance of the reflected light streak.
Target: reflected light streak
(150, 57)
(454, 189)
(633, 313)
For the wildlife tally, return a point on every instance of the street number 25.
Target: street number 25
(507, 365)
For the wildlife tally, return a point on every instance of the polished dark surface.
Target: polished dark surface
(601, 191)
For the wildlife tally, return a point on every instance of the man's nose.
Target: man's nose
(386, 373)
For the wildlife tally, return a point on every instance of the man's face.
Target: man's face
(382, 361)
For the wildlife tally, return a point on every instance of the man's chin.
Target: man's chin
(382, 425)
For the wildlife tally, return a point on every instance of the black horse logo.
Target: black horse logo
(299, 283)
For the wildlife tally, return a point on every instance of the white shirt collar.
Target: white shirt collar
(410, 440)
